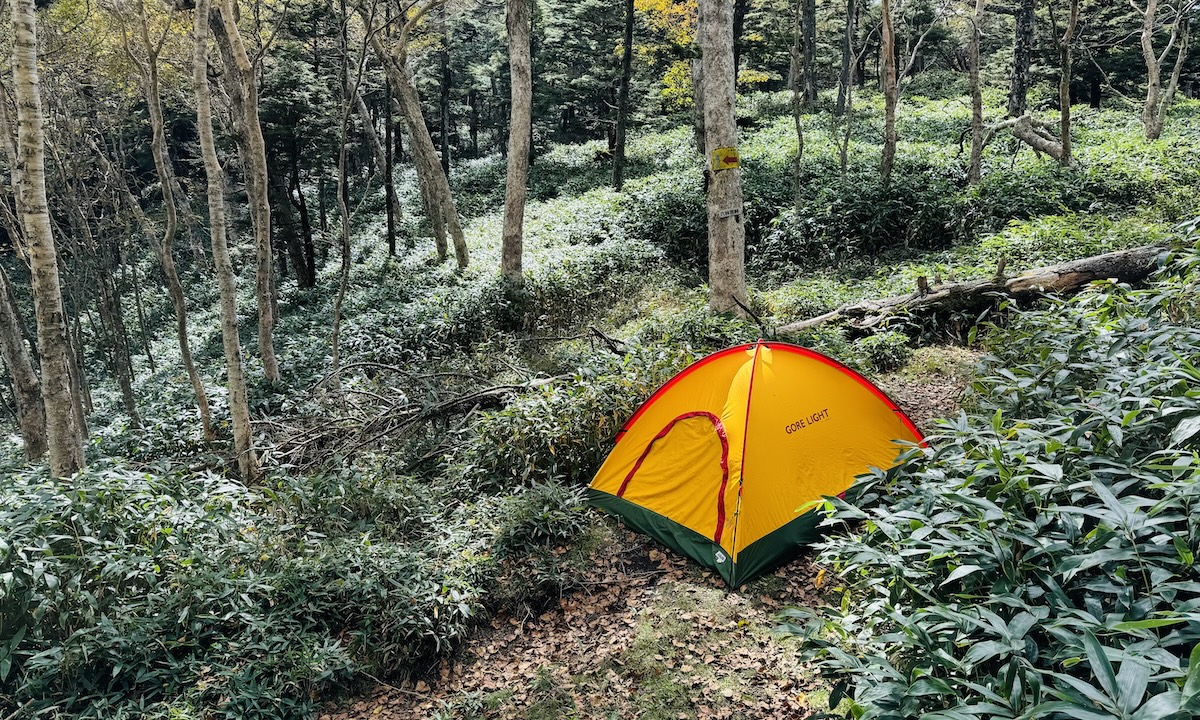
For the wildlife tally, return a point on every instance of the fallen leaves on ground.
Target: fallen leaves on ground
(646, 634)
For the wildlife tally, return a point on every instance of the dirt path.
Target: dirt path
(648, 634)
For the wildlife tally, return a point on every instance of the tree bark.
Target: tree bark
(256, 171)
(844, 78)
(891, 91)
(443, 214)
(623, 98)
(1158, 99)
(519, 138)
(864, 317)
(164, 249)
(975, 169)
(239, 410)
(27, 389)
(726, 229)
(1022, 57)
(697, 67)
(808, 25)
(64, 435)
(1064, 84)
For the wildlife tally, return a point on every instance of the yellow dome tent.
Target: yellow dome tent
(717, 461)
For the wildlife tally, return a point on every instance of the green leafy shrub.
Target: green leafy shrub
(884, 352)
(564, 430)
(1038, 559)
(127, 590)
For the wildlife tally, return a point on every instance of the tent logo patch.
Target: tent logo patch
(720, 557)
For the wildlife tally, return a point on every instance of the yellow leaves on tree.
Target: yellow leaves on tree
(673, 23)
(675, 19)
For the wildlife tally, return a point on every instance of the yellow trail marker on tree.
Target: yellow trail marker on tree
(716, 463)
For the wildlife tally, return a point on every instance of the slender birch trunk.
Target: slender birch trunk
(256, 185)
(64, 435)
(239, 410)
(519, 138)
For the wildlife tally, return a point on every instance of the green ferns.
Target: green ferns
(1038, 559)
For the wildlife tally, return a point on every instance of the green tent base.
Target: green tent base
(760, 557)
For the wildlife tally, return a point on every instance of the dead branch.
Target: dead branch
(865, 317)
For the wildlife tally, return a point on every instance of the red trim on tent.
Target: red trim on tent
(787, 347)
(724, 438)
(682, 374)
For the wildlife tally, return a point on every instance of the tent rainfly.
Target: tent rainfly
(716, 463)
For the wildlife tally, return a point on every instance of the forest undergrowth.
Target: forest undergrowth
(435, 480)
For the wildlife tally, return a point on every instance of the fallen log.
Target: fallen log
(864, 317)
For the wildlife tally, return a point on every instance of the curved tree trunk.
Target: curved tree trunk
(31, 413)
(726, 231)
(239, 410)
(435, 186)
(519, 138)
(64, 436)
(256, 184)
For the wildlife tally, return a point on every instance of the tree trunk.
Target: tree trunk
(726, 229)
(64, 436)
(1064, 84)
(164, 249)
(797, 72)
(381, 160)
(808, 24)
(1158, 99)
(239, 410)
(891, 91)
(444, 104)
(519, 137)
(697, 68)
(109, 304)
(256, 184)
(975, 169)
(739, 29)
(443, 214)
(623, 98)
(1022, 57)
(308, 273)
(844, 79)
(31, 413)
(389, 178)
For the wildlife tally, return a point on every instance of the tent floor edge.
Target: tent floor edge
(683, 540)
(777, 548)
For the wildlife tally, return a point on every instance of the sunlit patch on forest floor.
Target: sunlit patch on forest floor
(648, 634)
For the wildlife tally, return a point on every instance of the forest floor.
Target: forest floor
(646, 633)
